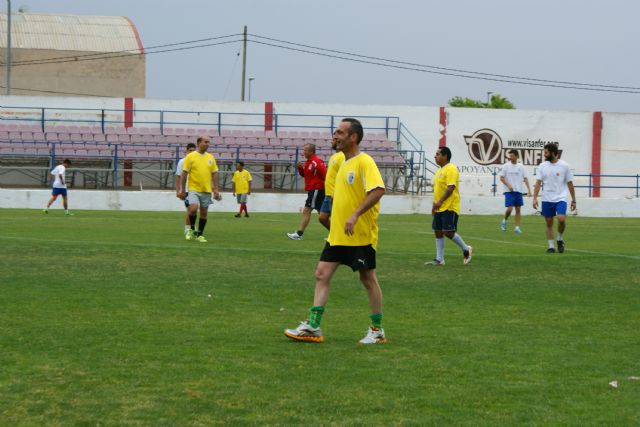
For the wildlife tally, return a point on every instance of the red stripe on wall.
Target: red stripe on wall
(268, 116)
(136, 34)
(128, 112)
(596, 152)
(443, 127)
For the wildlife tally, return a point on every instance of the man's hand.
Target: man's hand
(350, 225)
(573, 206)
(535, 203)
(217, 196)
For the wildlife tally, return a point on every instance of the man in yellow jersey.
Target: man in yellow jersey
(353, 235)
(446, 207)
(241, 187)
(201, 170)
(334, 164)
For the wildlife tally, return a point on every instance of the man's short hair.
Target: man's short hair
(191, 145)
(312, 147)
(445, 152)
(512, 151)
(551, 147)
(355, 127)
(201, 138)
(241, 164)
(66, 162)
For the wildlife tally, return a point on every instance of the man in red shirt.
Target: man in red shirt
(313, 172)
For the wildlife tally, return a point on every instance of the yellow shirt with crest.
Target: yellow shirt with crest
(444, 177)
(241, 180)
(355, 178)
(335, 162)
(200, 168)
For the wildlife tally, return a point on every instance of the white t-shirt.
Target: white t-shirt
(179, 172)
(554, 177)
(515, 175)
(56, 172)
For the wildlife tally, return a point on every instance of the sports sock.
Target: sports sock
(551, 244)
(201, 225)
(560, 236)
(315, 315)
(440, 249)
(192, 221)
(458, 241)
(186, 229)
(376, 320)
(300, 232)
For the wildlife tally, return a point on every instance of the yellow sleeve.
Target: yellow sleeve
(214, 165)
(372, 177)
(249, 176)
(186, 166)
(451, 177)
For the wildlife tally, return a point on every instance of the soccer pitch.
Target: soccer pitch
(112, 318)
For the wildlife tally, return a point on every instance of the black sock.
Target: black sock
(192, 221)
(300, 232)
(201, 225)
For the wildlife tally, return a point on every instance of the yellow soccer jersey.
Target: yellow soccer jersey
(332, 170)
(200, 168)
(355, 178)
(241, 180)
(445, 176)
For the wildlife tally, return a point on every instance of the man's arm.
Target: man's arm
(249, 188)
(526, 182)
(445, 196)
(61, 175)
(214, 182)
(369, 201)
(572, 191)
(536, 190)
(506, 183)
(183, 185)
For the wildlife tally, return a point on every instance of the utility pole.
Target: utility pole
(244, 61)
(8, 51)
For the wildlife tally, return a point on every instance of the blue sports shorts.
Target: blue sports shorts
(327, 205)
(61, 191)
(551, 209)
(445, 221)
(513, 198)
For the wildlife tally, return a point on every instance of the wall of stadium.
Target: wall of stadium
(478, 138)
(279, 202)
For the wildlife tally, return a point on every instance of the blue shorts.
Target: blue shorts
(513, 198)
(445, 221)
(59, 191)
(327, 204)
(551, 209)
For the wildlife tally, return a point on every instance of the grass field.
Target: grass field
(106, 318)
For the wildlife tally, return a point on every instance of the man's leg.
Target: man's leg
(65, 203)
(549, 230)
(306, 217)
(203, 220)
(507, 213)
(192, 215)
(439, 245)
(324, 219)
(51, 200)
(562, 224)
(370, 282)
(518, 217)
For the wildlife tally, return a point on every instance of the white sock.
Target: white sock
(517, 227)
(440, 249)
(504, 221)
(551, 244)
(458, 241)
(560, 236)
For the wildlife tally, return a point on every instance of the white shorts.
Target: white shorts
(242, 198)
(199, 199)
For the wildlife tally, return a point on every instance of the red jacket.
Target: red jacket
(313, 172)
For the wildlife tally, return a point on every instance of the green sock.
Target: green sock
(376, 320)
(315, 315)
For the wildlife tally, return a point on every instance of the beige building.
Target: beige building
(63, 55)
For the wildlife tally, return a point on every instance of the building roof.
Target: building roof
(70, 33)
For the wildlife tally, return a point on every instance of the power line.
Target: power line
(444, 68)
(122, 53)
(452, 74)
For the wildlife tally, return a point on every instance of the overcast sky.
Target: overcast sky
(594, 42)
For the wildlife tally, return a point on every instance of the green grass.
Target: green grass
(105, 319)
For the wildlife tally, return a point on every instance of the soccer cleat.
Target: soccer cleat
(190, 235)
(201, 239)
(45, 211)
(246, 215)
(294, 236)
(561, 246)
(374, 336)
(435, 263)
(237, 215)
(467, 255)
(503, 225)
(304, 332)
(517, 230)
(551, 251)
(68, 213)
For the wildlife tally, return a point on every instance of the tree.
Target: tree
(497, 101)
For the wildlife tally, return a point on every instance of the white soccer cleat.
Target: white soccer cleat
(374, 336)
(503, 225)
(467, 255)
(305, 332)
(517, 230)
(294, 236)
(434, 263)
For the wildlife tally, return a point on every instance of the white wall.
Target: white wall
(271, 202)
